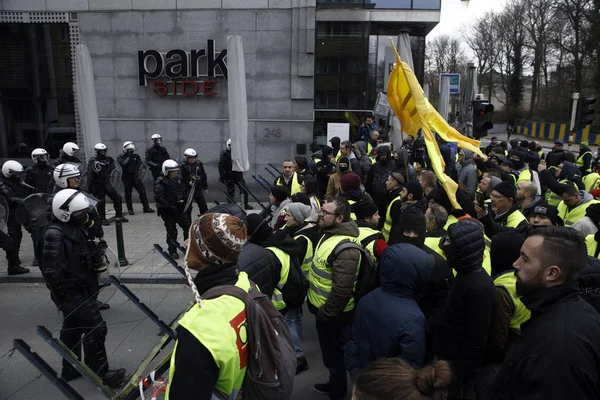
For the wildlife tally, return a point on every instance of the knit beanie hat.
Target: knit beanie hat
(505, 250)
(280, 192)
(494, 181)
(364, 209)
(215, 239)
(299, 211)
(411, 219)
(350, 181)
(548, 211)
(343, 164)
(415, 188)
(506, 189)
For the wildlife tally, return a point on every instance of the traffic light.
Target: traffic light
(585, 114)
(481, 118)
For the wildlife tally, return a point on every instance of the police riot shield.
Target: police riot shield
(32, 212)
(3, 212)
(115, 172)
(141, 171)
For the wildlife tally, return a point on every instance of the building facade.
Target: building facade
(160, 67)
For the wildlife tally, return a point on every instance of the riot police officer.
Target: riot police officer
(156, 155)
(171, 193)
(130, 162)
(68, 267)
(193, 175)
(68, 154)
(13, 192)
(99, 168)
(230, 177)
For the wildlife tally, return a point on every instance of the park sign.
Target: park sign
(182, 73)
(454, 82)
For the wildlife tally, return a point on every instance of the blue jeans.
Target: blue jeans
(293, 316)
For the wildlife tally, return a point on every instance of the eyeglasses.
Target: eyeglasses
(325, 212)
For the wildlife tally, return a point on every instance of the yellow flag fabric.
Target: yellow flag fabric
(406, 98)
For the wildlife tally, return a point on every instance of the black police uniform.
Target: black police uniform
(171, 195)
(39, 176)
(230, 177)
(99, 168)
(67, 267)
(156, 155)
(13, 192)
(129, 163)
(191, 173)
(63, 158)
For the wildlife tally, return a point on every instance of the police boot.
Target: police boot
(148, 210)
(114, 378)
(17, 270)
(247, 206)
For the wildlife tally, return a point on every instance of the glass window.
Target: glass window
(391, 4)
(36, 89)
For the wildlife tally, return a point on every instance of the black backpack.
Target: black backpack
(368, 277)
(295, 289)
(271, 367)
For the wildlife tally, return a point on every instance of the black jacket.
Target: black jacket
(493, 226)
(261, 265)
(191, 172)
(39, 176)
(226, 172)
(307, 229)
(100, 170)
(14, 192)
(155, 157)
(398, 208)
(435, 295)
(375, 184)
(554, 158)
(64, 158)
(170, 194)
(461, 338)
(589, 282)
(129, 162)
(93, 228)
(570, 172)
(558, 353)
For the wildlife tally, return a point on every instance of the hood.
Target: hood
(569, 169)
(494, 181)
(468, 158)
(505, 250)
(308, 229)
(586, 197)
(354, 194)
(535, 201)
(446, 154)
(285, 242)
(362, 147)
(467, 246)
(345, 228)
(335, 142)
(404, 270)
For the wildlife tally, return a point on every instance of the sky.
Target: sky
(455, 15)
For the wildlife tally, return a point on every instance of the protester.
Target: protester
(333, 186)
(574, 204)
(467, 176)
(232, 178)
(376, 183)
(367, 220)
(527, 197)
(312, 191)
(393, 184)
(505, 210)
(289, 178)
(279, 198)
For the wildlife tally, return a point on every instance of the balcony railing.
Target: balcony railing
(382, 4)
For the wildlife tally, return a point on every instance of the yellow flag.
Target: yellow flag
(406, 98)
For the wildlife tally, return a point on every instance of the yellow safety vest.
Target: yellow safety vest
(352, 215)
(434, 244)
(373, 159)
(579, 162)
(515, 218)
(296, 187)
(369, 149)
(524, 176)
(522, 314)
(308, 257)
(365, 232)
(320, 275)
(591, 181)
(487, 260)
(552, 198)
(284, 259)
(387, 226)
(570, 217)
(541, 154)
(220, 325)
(592, 245)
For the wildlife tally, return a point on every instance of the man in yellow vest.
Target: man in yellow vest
(305, 233)
(574, 204)
(557, 179)
(412, 198)
(585, 158)
(367, 219)
(289, 178)
(330, 293)
(393, 185)
(436, 218)
(211, 352)
(505, 210)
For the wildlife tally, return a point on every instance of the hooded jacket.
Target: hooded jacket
(450, 169)
(388, 321)
(323, 169)
(569, 172)
(461, 338)
(375, 183)
(365, 161)
(526, 211)
(467, 177)
(558, 353)
(261, 265)
(333, 185)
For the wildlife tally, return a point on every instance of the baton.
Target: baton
(261, 184)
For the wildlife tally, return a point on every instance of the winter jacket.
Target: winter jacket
(226, 172)
(261, 265)
(554, 158)
(307, 229)
(39, 176)
(344, 269)
(375, 183)
(189, 173)
(467, 177)
(13, 192)
(526, 211)
(156, 155)
(388, 321)
(365, 161)
(569, 172)
(99, 170)
(323, 169)
(170, 194)
(333, 185)
(462, 336)
(589, 282)
(558, 353)
(396, 231)
(495, 225)
(63, 158)
(129, 163)
(278, 219)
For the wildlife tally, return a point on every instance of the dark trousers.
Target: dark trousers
(155, 173)
(333, 336)
(231, 191)
(13, 228)
(84, 321)
(171, 220)
(132, 182)
(101, 193)
(7, 243)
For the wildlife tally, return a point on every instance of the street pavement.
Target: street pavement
(131, 336)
